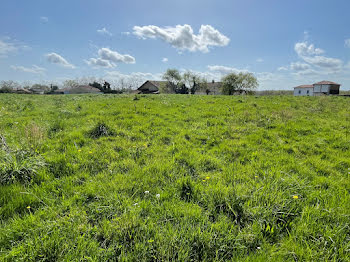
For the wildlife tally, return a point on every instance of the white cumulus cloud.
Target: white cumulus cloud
(104, 31)
(57, 59)
(304, 49)
(164, 60)
(108, 58)
(182, 37)
(100, 62)
(34, 69)
(113, 56)
(312, 56)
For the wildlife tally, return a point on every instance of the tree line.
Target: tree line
(190, 83)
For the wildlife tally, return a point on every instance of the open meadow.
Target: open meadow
(174, 177)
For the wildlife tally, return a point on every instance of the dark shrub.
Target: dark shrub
(100, 130)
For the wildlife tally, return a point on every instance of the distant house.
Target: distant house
(80, 90)
(151, 87)
(22, 91)
(317, 89)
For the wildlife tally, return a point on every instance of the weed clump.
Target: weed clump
(18, 166)
(101, 130)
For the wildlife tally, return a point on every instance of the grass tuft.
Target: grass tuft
(19, 166)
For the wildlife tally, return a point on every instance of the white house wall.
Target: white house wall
(303, 92)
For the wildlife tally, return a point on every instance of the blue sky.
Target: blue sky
(284, 43)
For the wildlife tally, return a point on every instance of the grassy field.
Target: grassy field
(171, 177)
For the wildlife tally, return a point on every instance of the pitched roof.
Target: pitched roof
(326, 83)
(158, 83)
(155, 83)
(304, 86)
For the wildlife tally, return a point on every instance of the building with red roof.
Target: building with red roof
(317, 89)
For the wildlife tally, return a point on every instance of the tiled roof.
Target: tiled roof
(326, 83)
(304, 86)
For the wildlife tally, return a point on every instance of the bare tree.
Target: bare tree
(8, 86)
(193, 81)
(70, 83)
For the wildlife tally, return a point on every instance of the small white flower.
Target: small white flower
(258, 248)
(146, 192)
(158, 196)
(136, 204)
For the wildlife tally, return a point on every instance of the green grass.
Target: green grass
(229, 178)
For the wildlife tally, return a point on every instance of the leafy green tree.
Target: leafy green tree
(173, 77)
(241, 82)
